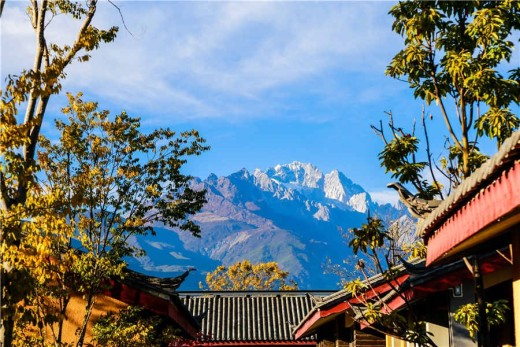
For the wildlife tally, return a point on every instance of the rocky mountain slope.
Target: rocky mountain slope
(289, 213)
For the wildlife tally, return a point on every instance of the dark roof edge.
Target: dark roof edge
(254, 292)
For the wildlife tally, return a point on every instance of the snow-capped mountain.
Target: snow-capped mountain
(312, 183)
(289, 213)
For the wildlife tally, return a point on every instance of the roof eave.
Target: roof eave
(509, 152)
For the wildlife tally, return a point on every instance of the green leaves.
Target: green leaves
(371, 236)
(453, 164)
(110, 181)
(497, 123)
(468, 315)
(395, 158)
(378, 251)
(132, 327)
(451, 40)
(123, 178)
(454, 54)
(31, 270)
(356, 287)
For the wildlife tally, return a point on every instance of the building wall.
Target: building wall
(339, 334)
(363, 339)
(395, 342)
(336, 334)
(459, 335)
(76, 312)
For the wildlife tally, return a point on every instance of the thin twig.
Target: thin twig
(428, 152)
(122, 18)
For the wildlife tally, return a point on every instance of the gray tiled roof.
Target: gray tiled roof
(250, 316)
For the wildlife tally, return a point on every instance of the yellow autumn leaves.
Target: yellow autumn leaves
(244, 275)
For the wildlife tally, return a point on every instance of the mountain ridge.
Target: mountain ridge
(289, 213)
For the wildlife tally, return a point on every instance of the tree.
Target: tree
(108, 182)
(246, 276)
(381, 250)
(468, 315)
(32, 89)
(133, 327)
(454, 54)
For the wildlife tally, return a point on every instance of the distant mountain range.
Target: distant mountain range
(290, 213)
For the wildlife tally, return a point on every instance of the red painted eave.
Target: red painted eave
(442, 282)
(156, 304)
(383, 288)
(319, 314)
(479, 219)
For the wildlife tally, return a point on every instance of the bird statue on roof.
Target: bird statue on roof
(419, 208)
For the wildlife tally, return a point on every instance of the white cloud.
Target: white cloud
(17, 40)
(219, 59)
(385, 197)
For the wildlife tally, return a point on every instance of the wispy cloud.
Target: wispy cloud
(218, 59)
(385, 197)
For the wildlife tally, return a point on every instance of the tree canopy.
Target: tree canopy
(134, 327)
(246, 276)
(69, 206)
(24, 99)
(101, 183)
(456, 54)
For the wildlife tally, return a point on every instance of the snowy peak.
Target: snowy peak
(263, 181)
(340, 187)
(289, 213)
(334, 188)
(308, 183)
(296, 173)
(302, 183)
(268, 184)
(360, 202)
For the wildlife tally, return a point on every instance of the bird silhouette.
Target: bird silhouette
(419, 208)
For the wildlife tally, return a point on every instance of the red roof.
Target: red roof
(342, 302)
(477, 217)
(158, 301)
(482, 207)
(410, 286)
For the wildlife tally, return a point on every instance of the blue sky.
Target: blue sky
(264, 82)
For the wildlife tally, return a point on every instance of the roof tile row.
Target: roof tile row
(253, 316)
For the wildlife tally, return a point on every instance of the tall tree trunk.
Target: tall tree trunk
(63, 310)
(86, 319)
(2, 3)
(6, 331)
(36, 103)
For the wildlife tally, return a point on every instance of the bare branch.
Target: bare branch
(4, 197)
(439, 98)
(39, 25)
(121, 15)
(428, 152)
(379, 131)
